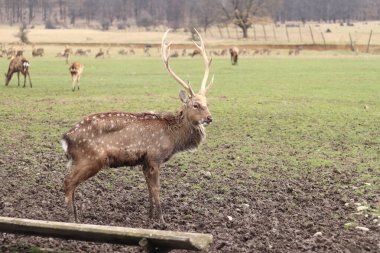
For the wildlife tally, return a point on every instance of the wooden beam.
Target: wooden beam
(106, 234)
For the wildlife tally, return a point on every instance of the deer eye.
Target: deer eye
(196, 106)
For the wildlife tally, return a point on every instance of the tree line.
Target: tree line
(182, 13)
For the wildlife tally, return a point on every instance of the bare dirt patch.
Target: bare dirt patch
(279, 212)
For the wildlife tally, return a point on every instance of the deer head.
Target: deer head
(194, 104)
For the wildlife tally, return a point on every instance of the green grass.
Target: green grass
(291, 114)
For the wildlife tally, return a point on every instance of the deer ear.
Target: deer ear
(183, 96)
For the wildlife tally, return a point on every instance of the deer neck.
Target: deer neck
(187, 136)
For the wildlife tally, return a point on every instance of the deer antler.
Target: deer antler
(207, 63)
(165, 55)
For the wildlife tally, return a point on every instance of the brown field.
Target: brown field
(339, 35)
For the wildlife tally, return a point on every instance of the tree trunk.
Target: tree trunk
(245, 31)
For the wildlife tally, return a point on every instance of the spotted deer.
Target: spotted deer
(115, 139)
(16, 65)
(76, 69)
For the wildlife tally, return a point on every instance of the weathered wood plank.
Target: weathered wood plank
(106, 234)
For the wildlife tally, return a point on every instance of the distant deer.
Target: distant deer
(82, 52)
(147, 47)
(123, 52)
(76, 70)
(38, 52)
(174, 55)
(234, 52)
(116, 139)
(18, 64)
(66, 53)
(100, 54)
(195, 52)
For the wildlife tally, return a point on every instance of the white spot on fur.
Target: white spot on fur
(64, 145)
(69, 164)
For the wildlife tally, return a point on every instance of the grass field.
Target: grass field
(274, 118)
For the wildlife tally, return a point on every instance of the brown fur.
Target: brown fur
(76, 69)
(195, 52)
(16, 65)
(99, 54)
(38, 52)
(234, 52)
(116, 139)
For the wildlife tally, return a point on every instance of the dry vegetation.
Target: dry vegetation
(339, 35)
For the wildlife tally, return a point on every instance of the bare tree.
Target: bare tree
(182, 13)
(207, 13)
(241, 12)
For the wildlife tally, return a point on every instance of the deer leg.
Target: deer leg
(152, 173)
(30, 80)
(78, 82)
(18, 78)
(79, 174)
(24, 80)
(73, 84)
(151, 210)
(8, 79)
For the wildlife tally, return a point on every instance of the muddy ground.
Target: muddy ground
(281, 211)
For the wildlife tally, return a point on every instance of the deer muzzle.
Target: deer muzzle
(207, 121)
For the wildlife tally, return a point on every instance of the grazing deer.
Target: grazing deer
(82, 52)
(234, 52)
(195, 52)
(16, 65)
(76, 70)
(100, 54)
(123, 52)
(116, 139)
(38, 52)
(174, 55)
(147, 47)
(66, 53)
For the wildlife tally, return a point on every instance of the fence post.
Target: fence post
(220, 31)
(324, 41)
(228, 32)
(351, 43)
(274, 32)
(254, 32)
(369, 42)
(287, 33)
(312, 35)
(265, 33)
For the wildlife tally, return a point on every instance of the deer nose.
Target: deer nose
(209, 119)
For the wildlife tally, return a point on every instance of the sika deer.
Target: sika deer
(76, 70)
(16, 65)
(116, 139)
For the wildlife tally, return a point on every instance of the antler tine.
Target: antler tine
(165, 55)
(207, 63)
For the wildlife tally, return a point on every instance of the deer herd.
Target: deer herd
(146, 139)
(19, 64)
